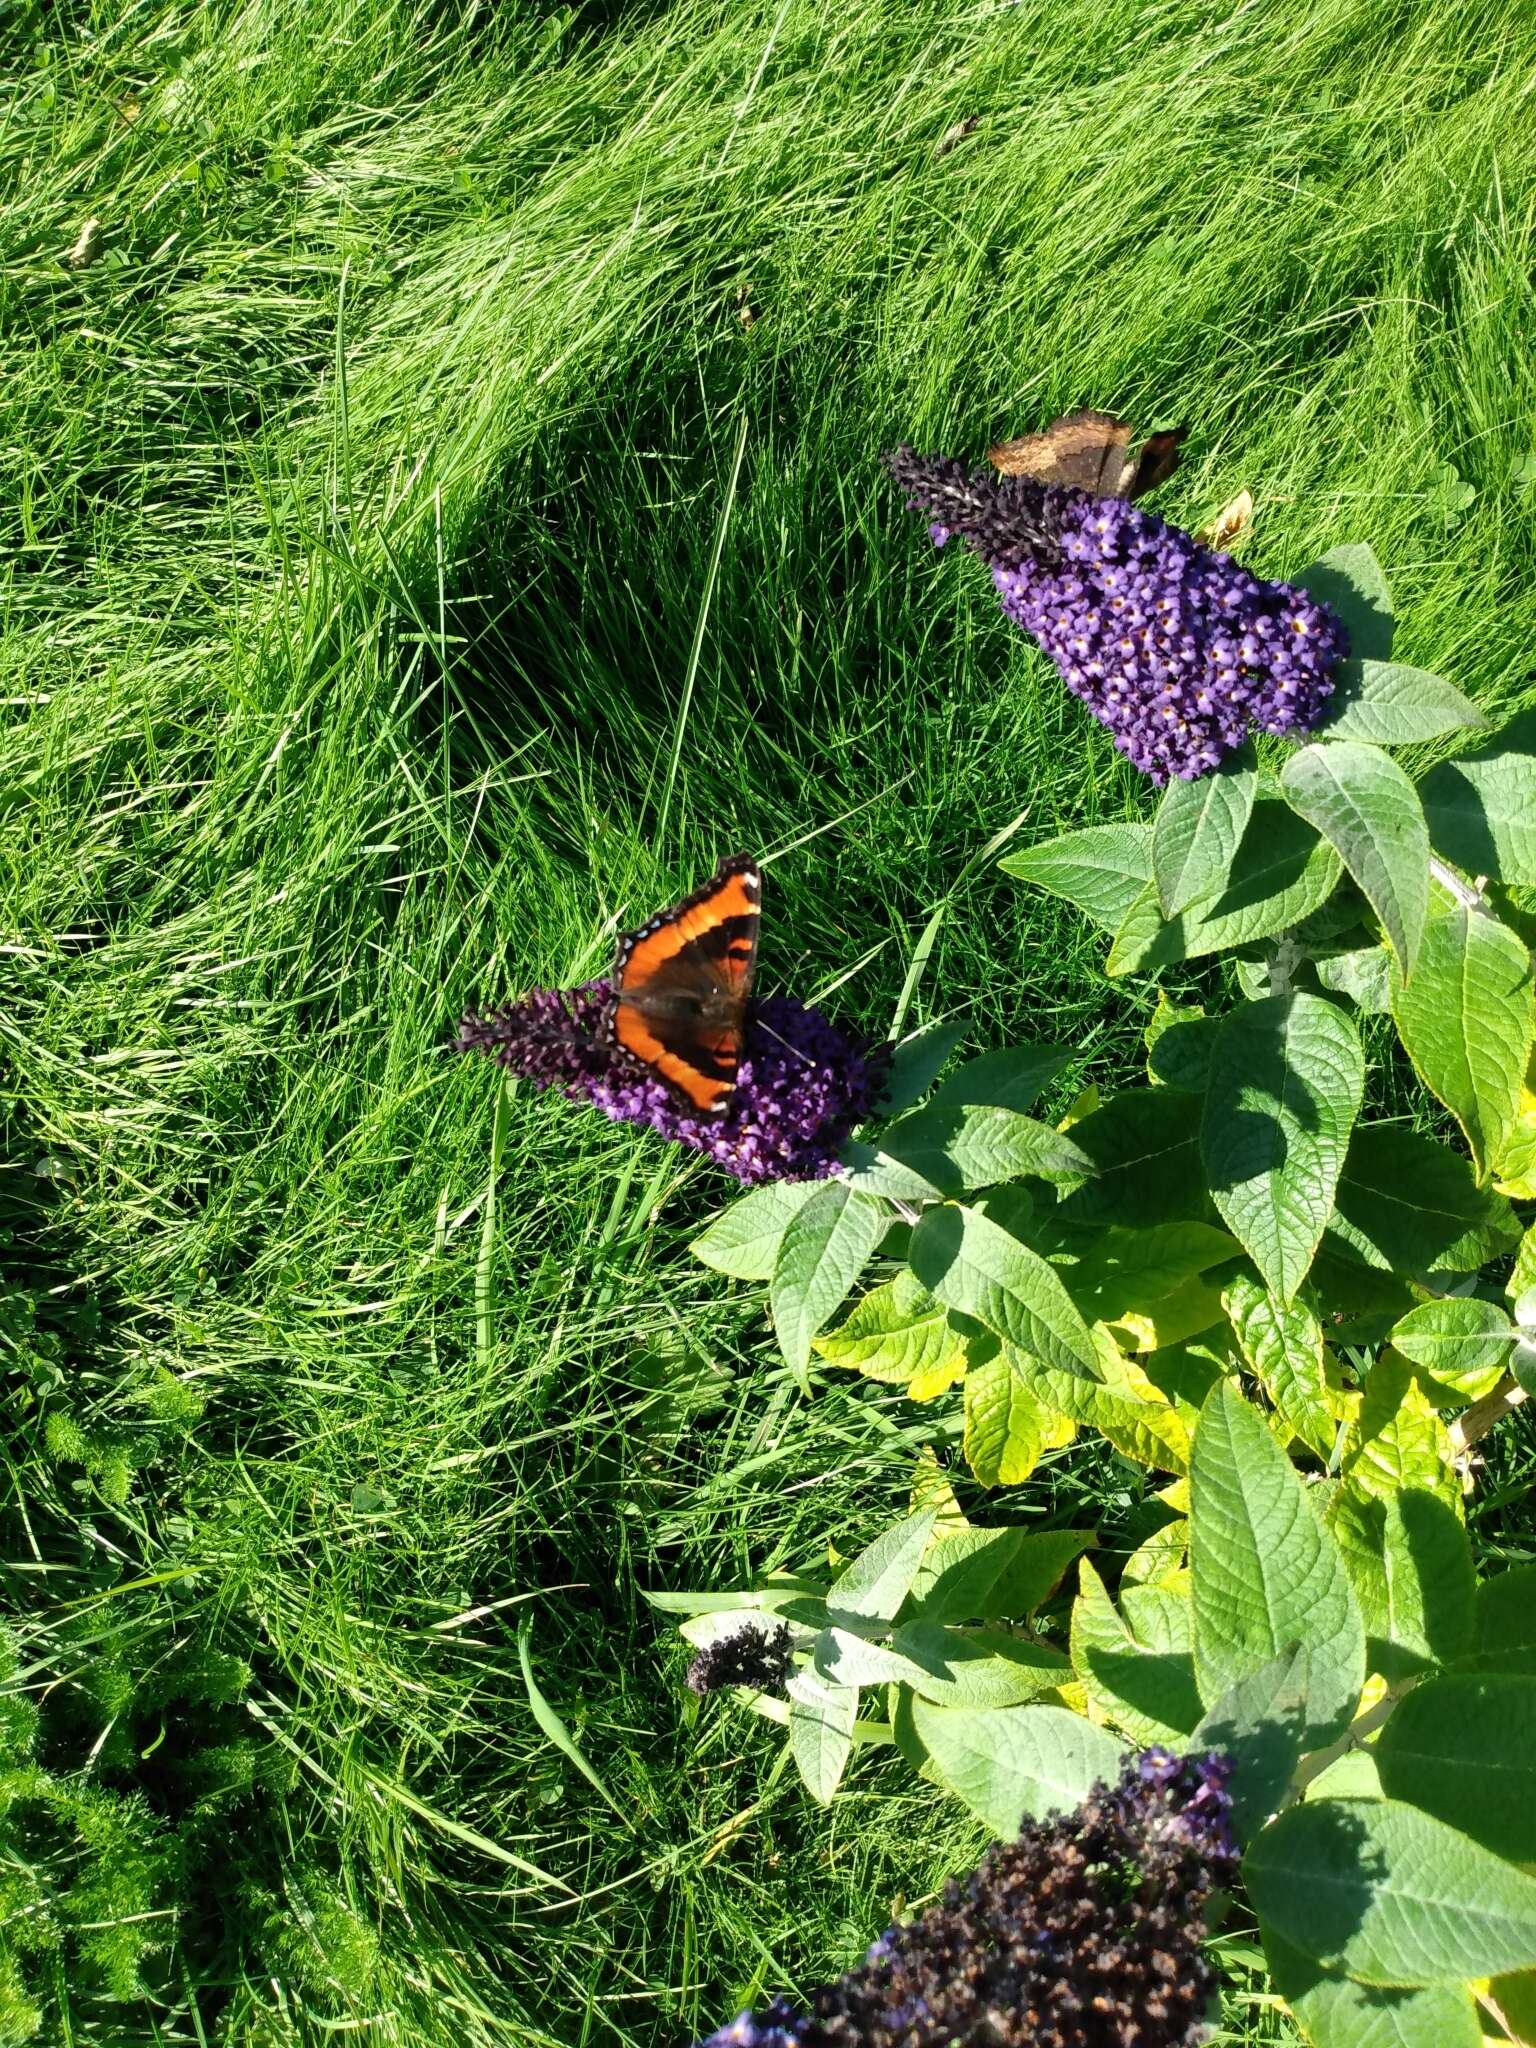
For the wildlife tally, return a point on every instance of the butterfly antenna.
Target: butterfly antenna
(768, 1032)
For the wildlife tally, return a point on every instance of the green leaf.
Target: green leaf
(1350, 1776)
(785, 1593)
(1504, 1624)
(1004, 1431)
(1481, 807)
(1391, 705)
(1283, 1347)
(972, 1264)
(1009, 1078)
(1352, 583)
(1515, 1996)
(1463, 1747)
(1267, 1576)
(878, 1580)
(1428, 1581)
(893, 1334)
(1287, 1076)
(1129, 1271)
(1282, 873)
(1465, 1022)
(1522, 1276)
(1411, 1567)
(1010, 1764)
(1181, 1058)
(1408, 1205)
(821, 1719)
(1365, 806)
(1102, 870)
(1262, 1723)
(1334, 2012)
(1145, 1147)
(839, 1657)
(993, 1574)
(943, 1148)
(1383, 1892)
(1147, 1693)
(1158, 1557)
(825, 1248)
(1198, 828)
(916, 1064)
(1456, 1338)
(987, 1668)
(1364, 974)
(743, 1241)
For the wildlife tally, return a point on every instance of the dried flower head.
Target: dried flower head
(1084, 1933)
(802, 1086)
(751, 1655)
(1178, 650)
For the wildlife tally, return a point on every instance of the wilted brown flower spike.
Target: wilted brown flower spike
(1084, 1933)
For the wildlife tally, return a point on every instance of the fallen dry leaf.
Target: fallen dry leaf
(957, 132)
(87, 246)
(1228, 523)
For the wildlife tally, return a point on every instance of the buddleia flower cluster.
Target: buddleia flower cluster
(1177, 649)
(751, 1655)
(1086, 1932)
(802, 1087)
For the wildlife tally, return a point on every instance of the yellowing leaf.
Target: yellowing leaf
(896, 1333)
(1126, 1408)
(1397, 1440)
(1514, 1170)
(938, 1378)
(1083, 1104)
(1191, 1307)
(933, 1494)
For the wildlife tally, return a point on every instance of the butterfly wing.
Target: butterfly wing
(1086, 451)
(1090, 451)
(682, 983)
(1156, 460)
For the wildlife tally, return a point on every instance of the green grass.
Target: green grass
(361, 659)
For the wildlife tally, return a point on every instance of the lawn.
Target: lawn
(443, 514)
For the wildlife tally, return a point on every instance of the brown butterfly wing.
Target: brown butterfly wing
(1086, 451)
(1156, 460)
(682, 983)
(1090, 451)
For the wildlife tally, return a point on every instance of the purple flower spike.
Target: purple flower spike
(1084, 1933)
(802, 1086)
(1178, 650)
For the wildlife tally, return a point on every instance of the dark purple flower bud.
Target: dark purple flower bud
(1084, 1933)
(802, 1087)
(752, 1655)
(1178, 650)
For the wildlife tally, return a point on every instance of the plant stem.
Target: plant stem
(1477, 1420)
(1469, 894)
(1367, 1723)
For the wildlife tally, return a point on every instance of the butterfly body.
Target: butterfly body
(682, 983)
(1090, 451)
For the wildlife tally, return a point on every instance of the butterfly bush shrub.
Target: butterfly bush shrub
(1297, 1318)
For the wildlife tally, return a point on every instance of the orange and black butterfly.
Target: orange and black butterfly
(1090, 451)
(681, 985)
